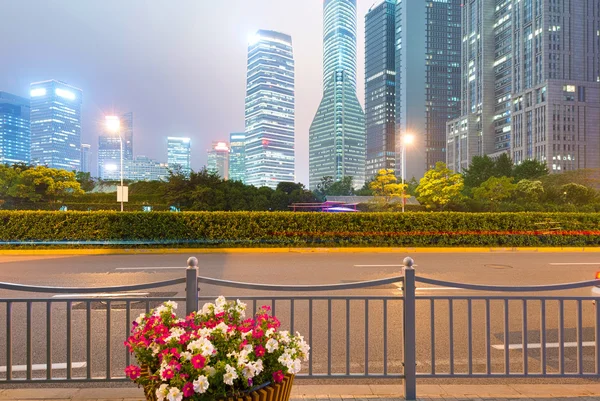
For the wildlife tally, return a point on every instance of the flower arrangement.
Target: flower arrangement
(213, 353)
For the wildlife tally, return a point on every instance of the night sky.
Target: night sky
(178, 65)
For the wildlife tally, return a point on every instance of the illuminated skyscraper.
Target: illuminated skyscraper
(56, 125)
(15, 134)
(218, 159)
(337, 133)
(179, 154)
(270, 113)
(109, 149)
(86, 155)
(237, 165)
(380, 87)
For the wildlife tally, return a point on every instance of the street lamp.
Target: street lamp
(407, 139)
(113, 125)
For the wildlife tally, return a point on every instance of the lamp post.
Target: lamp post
(113, 125)
(407, 139)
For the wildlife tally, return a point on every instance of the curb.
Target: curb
(164, 251)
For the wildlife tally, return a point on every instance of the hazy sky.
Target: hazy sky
(178, 65)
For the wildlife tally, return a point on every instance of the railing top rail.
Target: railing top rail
(89, 290)
(500, 288)
(310, 288)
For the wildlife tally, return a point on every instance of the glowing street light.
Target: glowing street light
(407, 139)
(113, 125)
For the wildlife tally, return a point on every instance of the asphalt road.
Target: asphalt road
(366, 336)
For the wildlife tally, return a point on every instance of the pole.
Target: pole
(191, 286)
(403, 172)
(121, 143)
(410, 339)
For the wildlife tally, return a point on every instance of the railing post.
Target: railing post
(191, 286)
(410, 343)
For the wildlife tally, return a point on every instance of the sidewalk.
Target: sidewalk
(517, 392)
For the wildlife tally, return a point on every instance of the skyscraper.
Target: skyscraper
(380, 87)
(56, 125)
(86, 155)
(179, 154)
(109, 149)
(237, 165)
(218, 159)
(15, 133)
(428, 53)
(270, 110)
(337, 133)
(537, 96)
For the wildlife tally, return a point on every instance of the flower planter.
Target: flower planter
(274, 392)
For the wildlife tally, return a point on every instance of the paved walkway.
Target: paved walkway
(516, 392)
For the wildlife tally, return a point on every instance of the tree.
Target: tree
(85, 180)
(530, 170)
(530, 191)
(386, 186)
(439, 187)
(480, 170)
(45, 184)
(503, 166)
(577, 194)
(495, 189)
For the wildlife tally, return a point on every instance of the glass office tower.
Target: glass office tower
(218, 159)
(86, 156)
(109, 148)
(270, 110)
(56, 125)
(380, 88)
(179, 154)
(15, 133)
(337, 133)
(237, 165)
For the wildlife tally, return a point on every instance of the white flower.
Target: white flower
(285, 359)
(294, 367)
(284, 336)
(221, 301)
(210, 371)
(162, 392)
(223, 327)
(230, 376)
(186, 356)
(205, 332)
(175, 394)
(269, 332)
(158, 311)
(140, 318)
(248, 371)
(155, 348)
(258, 366)
(200, 384)
(241, 308)
(272, 345)
(207, 308)
(203, 345)
(176, 333)
(171, 304)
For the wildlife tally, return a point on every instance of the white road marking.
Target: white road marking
(574, 264)
(182, 268)
(381, 265)
(436, 289)
(42, 366)
(548, 345)
(103, 295)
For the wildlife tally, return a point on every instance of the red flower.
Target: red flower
(133, 372)
(257, 333)
(198, 361)
(168, 374)
(259, 350)
(243, 344)
(278, 376)
(188, 389)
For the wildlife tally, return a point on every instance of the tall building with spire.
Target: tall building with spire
(270, 110)
(337, 133)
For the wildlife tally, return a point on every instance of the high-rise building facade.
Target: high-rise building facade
(56, 125)
(337, 134)
(218, 159)
(86, 158)
(179, 154)
(237, 156)
(546, 84)
(380, 88)
(270, 110)
(109, 148)
(15, 133)
(428, 77)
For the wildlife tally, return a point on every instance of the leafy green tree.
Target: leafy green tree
(480, 170)
(578, 194)
(411, 186)
(530, 170)
(530, 191)
(365, 190)
(439, 187)
(503, 166)
(342, 187)
(386, 186)
(495, 189)
(45, 184)
(85, 180)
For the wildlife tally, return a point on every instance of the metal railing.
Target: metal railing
(357, 336)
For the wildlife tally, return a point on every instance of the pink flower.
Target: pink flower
(278, 376)
(243, 344)
(188, 389)
(168, 374)
(259, 350)
(198, 361)
(257, 333)
(133, 372)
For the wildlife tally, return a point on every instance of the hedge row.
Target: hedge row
(288, 229)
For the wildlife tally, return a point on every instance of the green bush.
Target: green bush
(288, 229)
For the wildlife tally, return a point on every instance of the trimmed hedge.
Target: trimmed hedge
(288, 229)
